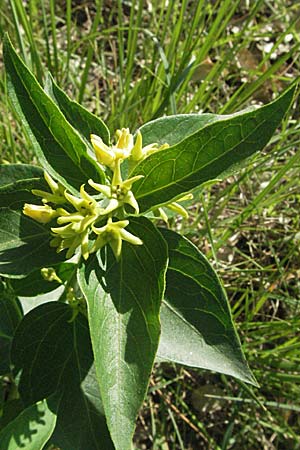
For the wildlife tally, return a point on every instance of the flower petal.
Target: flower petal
(129, 237)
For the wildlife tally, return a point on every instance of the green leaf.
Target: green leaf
(12, 407)
(24, 244)
(57, 145)
(10, 316)
(124, 300)
(81, 421)
(79, 117)
(197, 328)
(2, 397)
(173, 129)
(30, 303)
(54, 355)
(15, 176)
(16, 182)
(207, 153)
(32, 428)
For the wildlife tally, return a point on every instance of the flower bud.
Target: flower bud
(137, 150)
(42, 214)
(49, 274)
(103, 153)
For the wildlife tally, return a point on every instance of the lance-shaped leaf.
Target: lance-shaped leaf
(10, 316)
(57, 145)
(54, 356)
(16, 182)
(31, 429)
(83, 120)
(24, 244)
(124, 300)
(176, 128)
(197, 328)
(207, 153)
(173, 129)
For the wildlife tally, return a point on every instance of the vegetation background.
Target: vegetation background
(132, 61)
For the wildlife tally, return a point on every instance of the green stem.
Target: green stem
(117, 177)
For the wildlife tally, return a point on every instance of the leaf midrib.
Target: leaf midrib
(186, 177)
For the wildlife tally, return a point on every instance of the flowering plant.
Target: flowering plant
(124, 291)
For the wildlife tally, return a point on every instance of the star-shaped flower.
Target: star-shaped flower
(119, 193)
(114, 233)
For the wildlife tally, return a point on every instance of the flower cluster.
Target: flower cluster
(77, 217)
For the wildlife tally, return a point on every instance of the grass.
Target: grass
(130, 62)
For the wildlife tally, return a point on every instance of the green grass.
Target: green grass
(132, 61)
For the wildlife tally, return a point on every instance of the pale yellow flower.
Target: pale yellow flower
(42, 214)
(114, 233)
(119, 193)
